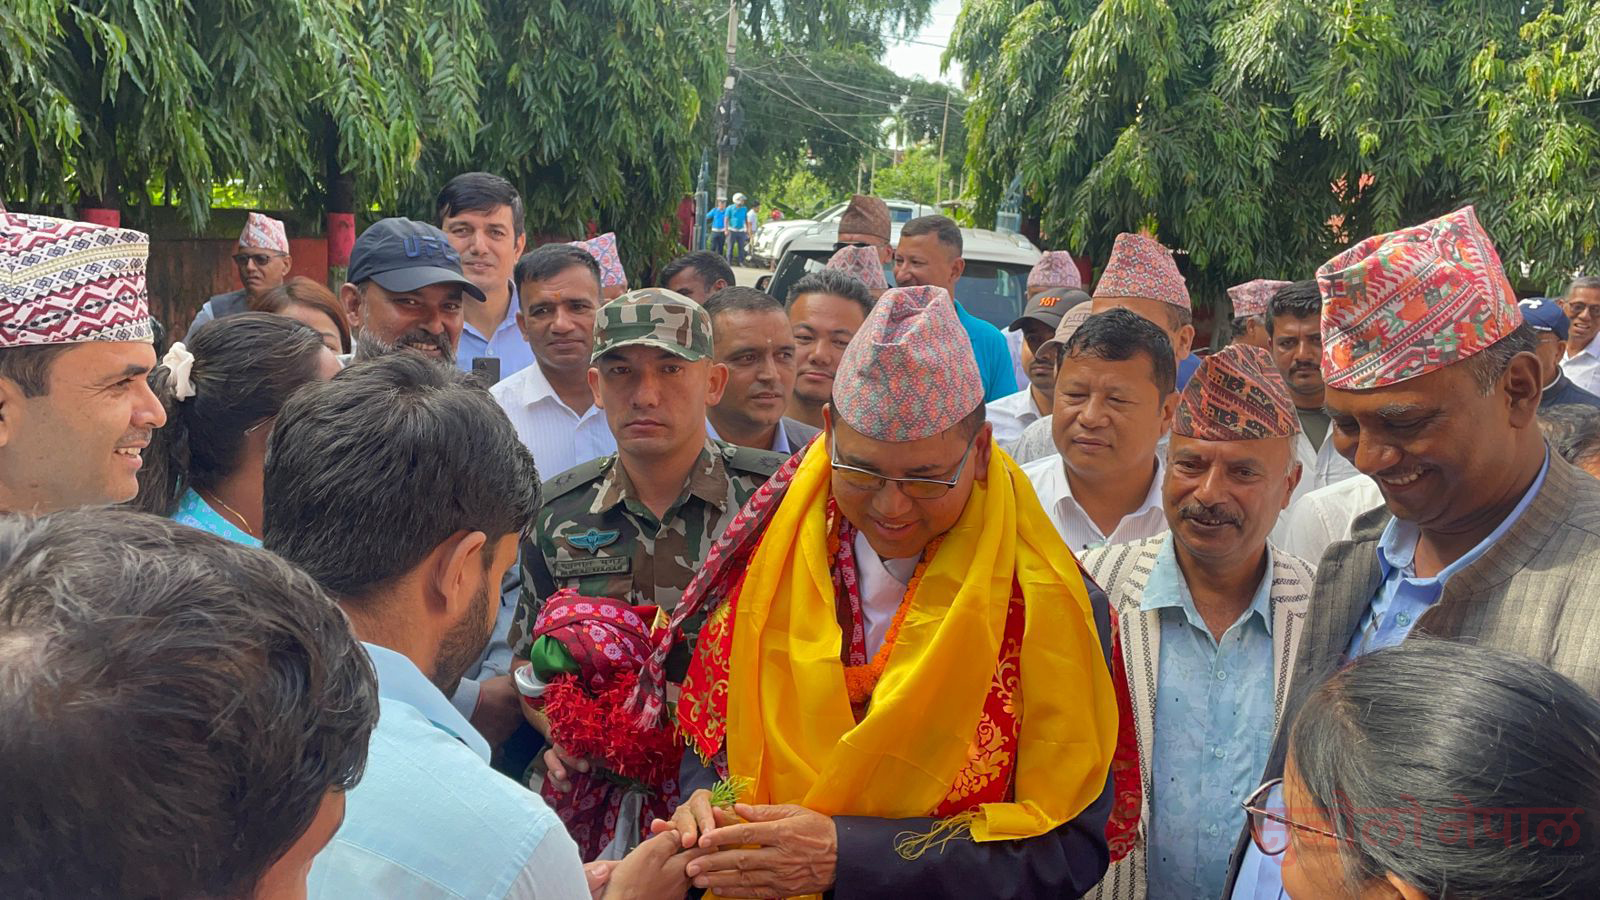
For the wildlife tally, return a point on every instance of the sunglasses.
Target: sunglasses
(260, 259)
(1269, 826)
(840, 245)
(916, 488)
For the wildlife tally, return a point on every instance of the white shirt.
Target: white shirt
(558, 437)
(883, 584)
(1318, 469)
(1049, 477)
(1325, 515)
(1584, 367)
(1011, 414)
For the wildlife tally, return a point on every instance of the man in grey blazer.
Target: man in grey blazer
(752, 338)
(1486, 536)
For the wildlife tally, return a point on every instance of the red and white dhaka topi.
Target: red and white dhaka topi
(65, 282)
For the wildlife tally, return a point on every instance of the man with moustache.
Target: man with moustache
(1294, 326)
(482, 215)
(635, 525)
(751, 336)
(1486, 536)
(1210, 615)
(1037, 325)
(262, 257)
(1250, 311)
(1582, 306)
(1113, 403)
(405, 290)
(826, 309)
(929, 254)
(76, 409)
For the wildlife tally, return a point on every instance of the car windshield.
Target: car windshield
(992, 291)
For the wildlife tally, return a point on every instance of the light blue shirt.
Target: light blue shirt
(430, 819)
(506, 344)
(194, 512)
(718, 218)
(780, 440)
(993, 355)
(1213, 731)
(1402, 598)
(737, 216)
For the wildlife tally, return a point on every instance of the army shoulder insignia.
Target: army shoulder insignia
(594, 539)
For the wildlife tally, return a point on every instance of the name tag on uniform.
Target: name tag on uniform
(601, 565)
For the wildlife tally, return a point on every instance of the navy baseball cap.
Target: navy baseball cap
(1544, 314)
(402, 255)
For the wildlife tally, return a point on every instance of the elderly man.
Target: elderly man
(1210, 614)
(825, 310)
(405, 290)
(1434, 392)
(262, 257)
(863, 263)
(1582, 306)
(752, 338)
(1038, 323)
(230, 767)
(1141, 276)
(902, 733)
(76, 411)
(866, 223)
(1294, 325)
(697, 275)
(1113, 404)
(482, 215)
(1250, 311)
(1550, 332)
(550, 403)
(929, 254)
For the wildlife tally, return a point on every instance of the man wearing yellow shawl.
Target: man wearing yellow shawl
(903, 671)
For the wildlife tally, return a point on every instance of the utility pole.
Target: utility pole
(938, 192)
(725, 108)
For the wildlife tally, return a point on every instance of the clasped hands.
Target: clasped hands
(755, 851)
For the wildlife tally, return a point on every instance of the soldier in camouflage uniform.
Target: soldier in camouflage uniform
(594, 533)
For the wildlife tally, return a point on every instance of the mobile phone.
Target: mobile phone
(487, 368)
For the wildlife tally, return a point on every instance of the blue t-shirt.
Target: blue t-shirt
(736, 217)
(993, 355)
(718, 219)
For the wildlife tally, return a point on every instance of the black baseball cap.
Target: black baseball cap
(402, 255)
(1049, 307)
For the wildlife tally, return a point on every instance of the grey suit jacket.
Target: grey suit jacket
(1535, 592)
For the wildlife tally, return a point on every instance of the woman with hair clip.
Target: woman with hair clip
(1438, 770)
(222, 392)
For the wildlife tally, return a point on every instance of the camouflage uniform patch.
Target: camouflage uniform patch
(593, 534)
(654, 317)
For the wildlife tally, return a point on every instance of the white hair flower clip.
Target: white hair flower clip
(180, 366)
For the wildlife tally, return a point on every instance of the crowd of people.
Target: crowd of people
(488, 576)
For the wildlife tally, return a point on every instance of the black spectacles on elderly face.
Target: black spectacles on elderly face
(916, 488)
(1269, 827)
(260, 259)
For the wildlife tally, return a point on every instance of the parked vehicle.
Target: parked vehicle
(773, 239)
(994, 287)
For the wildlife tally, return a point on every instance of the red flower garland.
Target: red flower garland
(600, 726)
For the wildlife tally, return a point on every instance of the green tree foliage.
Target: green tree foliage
(1262, 135)
(914, 177)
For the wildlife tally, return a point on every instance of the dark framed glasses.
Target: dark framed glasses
(840, 245)
(260, 259)
(1269, 821)
(915, 488)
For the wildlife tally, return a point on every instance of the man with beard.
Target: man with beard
(825, 310)
(482, 215)
(405, 290)
(1011, 414)
(1208, 613)
(752, 338)
(262, 257)
(1294, 326)
(1250, 311)
(76, 410)
(347, 502)
(1487, 537)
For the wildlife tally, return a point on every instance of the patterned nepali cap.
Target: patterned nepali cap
(1237, 394)
(1142, 268)
(1055, 269)
(862, 263)
(1400, 305)
(65, 282)
(1251, 298)
(263, 233)
(604, 251)
(909, 373)
(866, 214)
(653, 317)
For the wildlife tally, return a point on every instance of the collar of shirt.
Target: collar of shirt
(1591, 349)
(510, 321)
(883, 584)
(708, 481)
(1397, 546)
(1020, 405)
(1167, 587)
(531, 388)
(1066, 505)
(780, 438)
(400, 680)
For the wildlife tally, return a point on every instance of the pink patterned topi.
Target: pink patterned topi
(1055, 269)
(604, 251)
(909, 373)
(1141, 268)
(263, 233)
(862, 263)
(64, 282)
(1251, 298)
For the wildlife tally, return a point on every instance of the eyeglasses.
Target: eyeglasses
(1575, 310)
(1270, 828)
(915, 488)
(260, 259)
(840, 245)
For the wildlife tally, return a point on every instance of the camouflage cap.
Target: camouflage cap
(654, 317)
